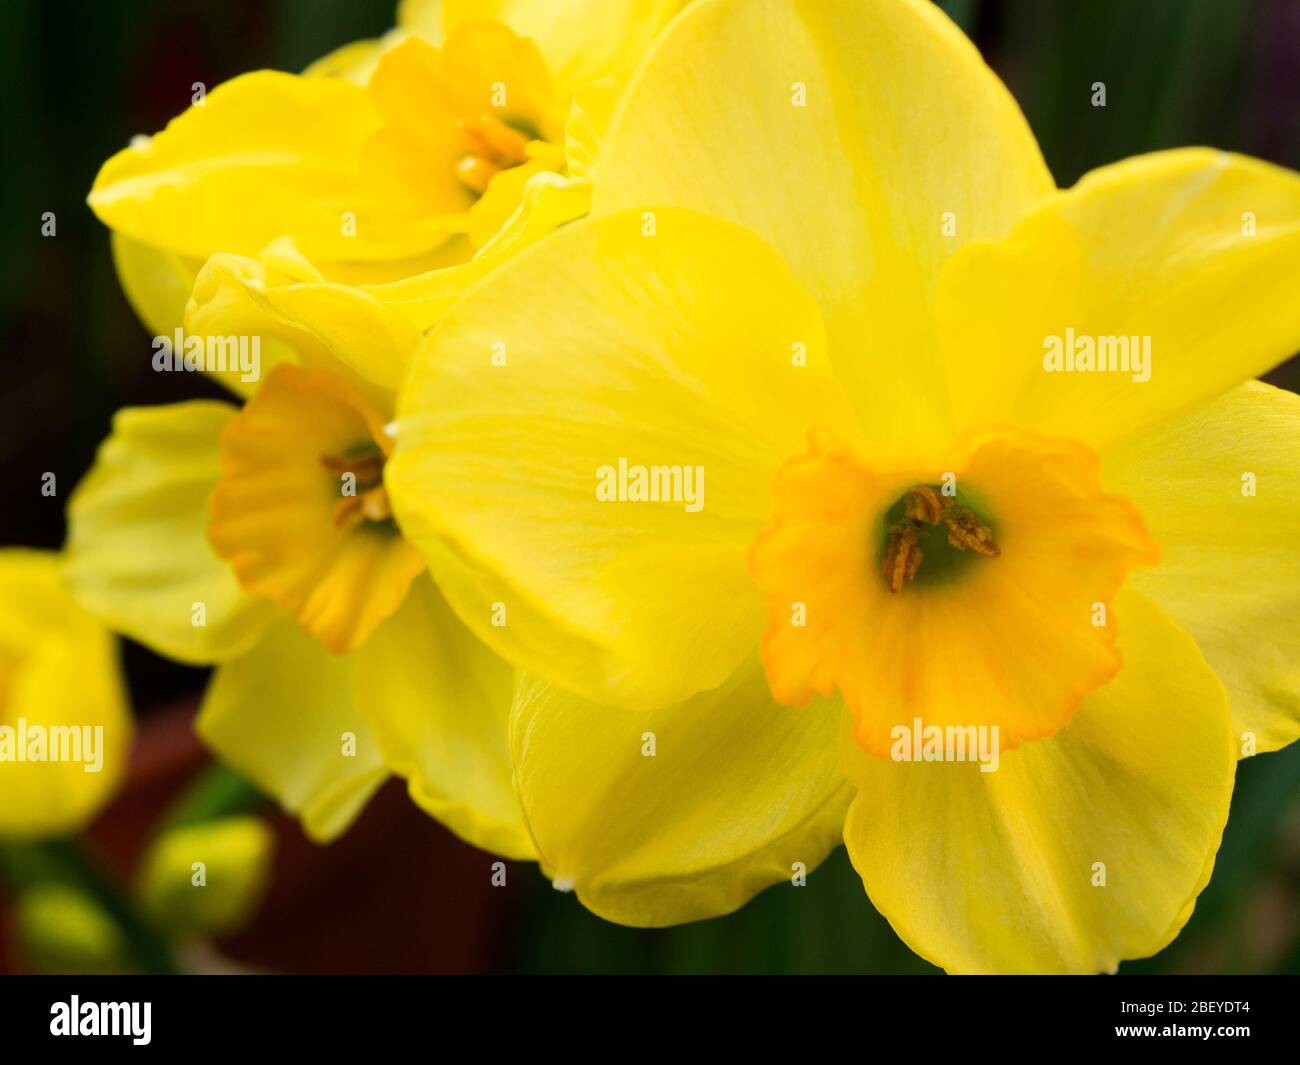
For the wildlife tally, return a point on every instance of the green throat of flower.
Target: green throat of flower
(914, 531)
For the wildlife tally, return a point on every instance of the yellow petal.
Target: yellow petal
(687, 812)
(421, 16)
(299, 316)
(582, 39)
(137, 556)
(412, 158)
(789, 118)
(548, 201)
(686, 349)
(478, 57)
(58, 671)
(1009, 630)
(481, 98)
(1002, 871)
(284, 716)
(265, 154)
(584, 131)
(505, 192)
(1154, 267)
(156, 281)
(1217, 489)
(439, 702)
(300, 511)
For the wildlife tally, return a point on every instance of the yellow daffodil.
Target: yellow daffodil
(787, 468)
(469, 129)
(65, 730)
(261, 539)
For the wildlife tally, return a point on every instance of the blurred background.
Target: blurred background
(398, 893)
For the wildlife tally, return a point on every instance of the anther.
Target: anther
(924, 503)
(925, 506)
(493, 147)
(902, 556)
(967, 532)
(370, 501)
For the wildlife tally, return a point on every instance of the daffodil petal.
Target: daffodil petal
(421, 16)
(58, 670)
(785, 116)
(582, 40)
(1217, 489)
(690, 348)
(263, 155)
(682, 813)
(137, 556)
(438, 702)
(549, 201)
(303, 318)
(1150, 287)
(284, 715)
(505, 193)
(156, 281)
(1078, 851)
(483, 101)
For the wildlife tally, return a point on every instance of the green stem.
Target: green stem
(218, 792)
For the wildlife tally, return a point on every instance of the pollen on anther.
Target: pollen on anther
(923, 503)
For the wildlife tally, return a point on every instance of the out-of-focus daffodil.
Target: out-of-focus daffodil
(207, 878)
(470, 129)
(64, 930)
(261, 539)
(65, 730)
(810, 316)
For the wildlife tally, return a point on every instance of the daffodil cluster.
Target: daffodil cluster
(691, 439)
(329, 218)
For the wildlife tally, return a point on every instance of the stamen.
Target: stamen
(924, 506)
(924, 503)
(371, 500)
(371, 505)
(967, 532)
(475, 173)
(493, 147)
(903, 555)
(492, 139)
(367, 467)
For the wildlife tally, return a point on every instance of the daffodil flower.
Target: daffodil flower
(826, 273)
(385, 160)
(261, 539)
(65, 730)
